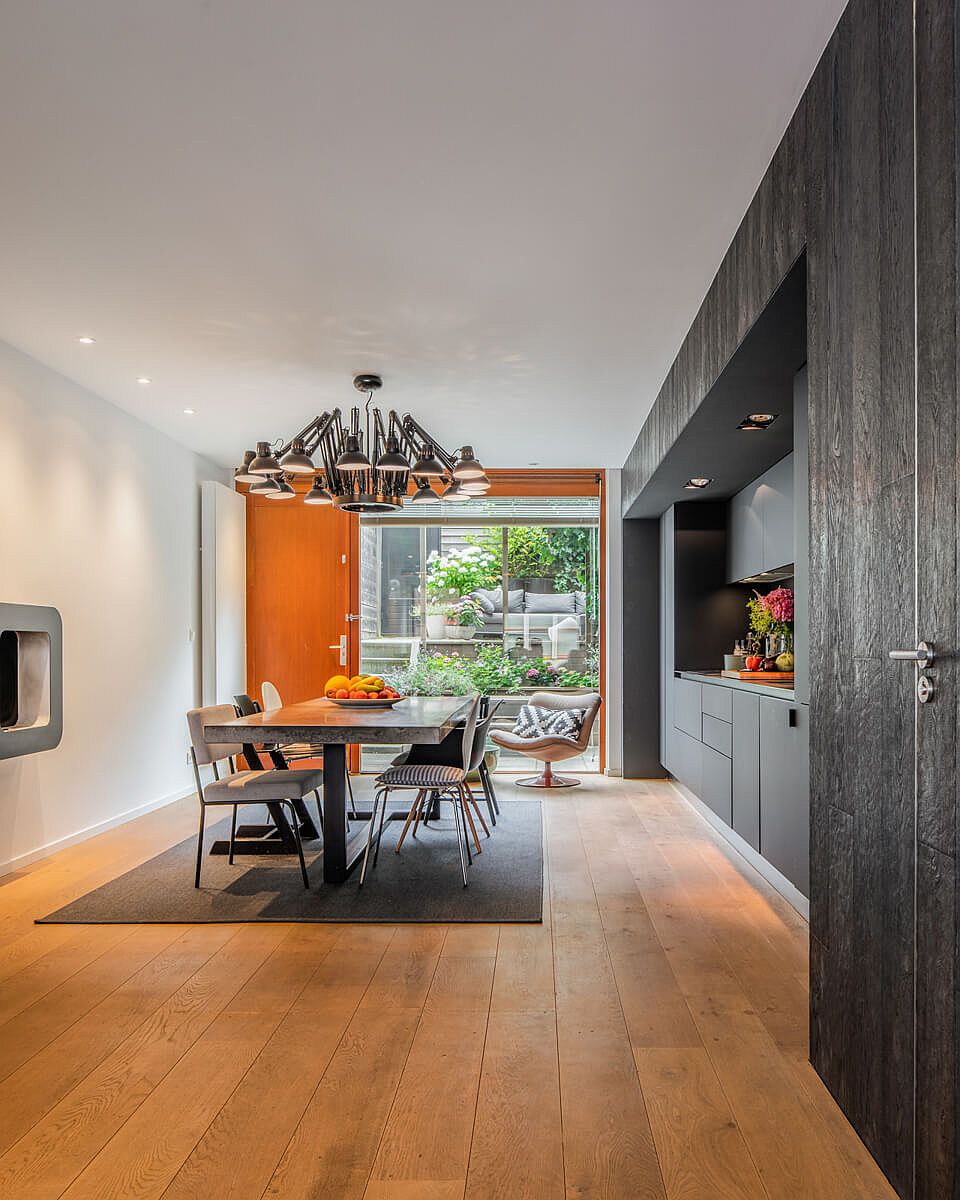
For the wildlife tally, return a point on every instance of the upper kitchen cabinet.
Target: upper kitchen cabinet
(761, 525)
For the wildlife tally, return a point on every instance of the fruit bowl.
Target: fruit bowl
(380, 702)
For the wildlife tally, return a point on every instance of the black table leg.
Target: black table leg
(335, 867)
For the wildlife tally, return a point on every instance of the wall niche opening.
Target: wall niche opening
(25, 661)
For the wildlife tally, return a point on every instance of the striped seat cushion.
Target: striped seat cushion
(422, 775)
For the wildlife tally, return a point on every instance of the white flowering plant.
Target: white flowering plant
(459, 572)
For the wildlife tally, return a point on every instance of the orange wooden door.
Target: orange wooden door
(301, 586)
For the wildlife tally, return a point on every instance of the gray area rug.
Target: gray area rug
(421, 885)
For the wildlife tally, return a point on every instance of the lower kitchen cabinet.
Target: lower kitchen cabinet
(785, 789)
(717, 783)
(746, 767)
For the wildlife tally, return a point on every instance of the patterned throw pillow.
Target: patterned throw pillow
(534, 722)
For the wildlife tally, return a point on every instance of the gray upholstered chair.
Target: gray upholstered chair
(242, 787)
(551, 749)
(427, 780)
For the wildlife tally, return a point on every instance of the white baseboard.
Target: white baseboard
(613, 772)
(787, 890)
(24, 860)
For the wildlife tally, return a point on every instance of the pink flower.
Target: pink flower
(532, 673)
(779, 604)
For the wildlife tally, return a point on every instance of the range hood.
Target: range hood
(777, 575)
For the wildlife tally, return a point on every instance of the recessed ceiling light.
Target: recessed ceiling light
(86, 341)
(143, 379)
(695, 484)
(536, 464)
(190, 412)
(755, 421)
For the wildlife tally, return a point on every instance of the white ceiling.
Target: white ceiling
(511, 209)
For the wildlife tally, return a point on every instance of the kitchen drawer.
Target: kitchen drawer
(718, 734)
(687, 761)
(717, 701)
(686, 706)
(717, 790)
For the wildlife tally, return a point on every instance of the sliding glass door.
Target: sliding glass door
(505, 601)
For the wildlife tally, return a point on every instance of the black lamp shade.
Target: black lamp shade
(296, 460)
(392, 459)
(424, 495)
(283, 491)
(475, 487)
(264, 485)
(243, 474)
(352, 458)
(455, 494)
(264, 461)
(427, 464)
(318, 494)
(467, 466)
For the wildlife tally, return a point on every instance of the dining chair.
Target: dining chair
(297, 750)
(450, 751)
(426, 779)
(242, 787)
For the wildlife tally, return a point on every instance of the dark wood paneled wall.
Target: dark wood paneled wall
(842, 187)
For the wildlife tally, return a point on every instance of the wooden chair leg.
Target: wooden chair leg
(199, 847)
(476, 809)
(410, 816)
(469, 816)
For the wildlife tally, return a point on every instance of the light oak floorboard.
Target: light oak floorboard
(646, 1040)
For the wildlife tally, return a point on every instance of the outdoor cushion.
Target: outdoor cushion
(534, 722)
(482, 597)
(581, 602)
(550, 602)
(494, 597)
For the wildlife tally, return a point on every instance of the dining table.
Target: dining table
(414, 719)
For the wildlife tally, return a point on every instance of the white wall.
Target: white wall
(115, 548)
(613, 584)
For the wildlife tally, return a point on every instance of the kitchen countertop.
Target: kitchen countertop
(784, 690)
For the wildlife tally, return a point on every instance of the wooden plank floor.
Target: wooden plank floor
(648, 1040)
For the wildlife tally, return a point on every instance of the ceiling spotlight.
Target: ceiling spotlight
(467, 466)
(318, 494)
(144, 379)
(424, 495)
(190, 412)
(282, 491)
(243, 474)
(265, 461)
(427, 464)
(695, 484)
(352, 458)
(86, 341)
(296, 460)
(756, 421)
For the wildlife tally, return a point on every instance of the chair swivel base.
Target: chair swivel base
(548, 779)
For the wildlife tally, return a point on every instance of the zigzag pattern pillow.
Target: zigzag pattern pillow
(535, 722)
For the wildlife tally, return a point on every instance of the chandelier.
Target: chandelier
(365, 465)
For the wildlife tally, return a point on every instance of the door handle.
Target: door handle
(341, 646)
(923, 655)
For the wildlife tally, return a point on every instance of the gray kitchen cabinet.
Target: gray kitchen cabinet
(745, 535)
(717, 785)
(760, 533)
(687, 755)
(777, 514)
(686, 707)
(716, 700)
(717, 733)
(785, 789)
(746, 767)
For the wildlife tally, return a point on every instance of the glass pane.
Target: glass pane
(432, 598)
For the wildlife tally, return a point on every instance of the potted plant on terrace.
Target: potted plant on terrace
(464, 619)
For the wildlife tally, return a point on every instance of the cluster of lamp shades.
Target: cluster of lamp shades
(367, 469)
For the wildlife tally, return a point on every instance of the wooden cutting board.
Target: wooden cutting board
(760, 676)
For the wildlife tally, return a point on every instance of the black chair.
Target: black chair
(282, 756)
(449, 753)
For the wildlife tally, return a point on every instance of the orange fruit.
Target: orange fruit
(342, 694)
